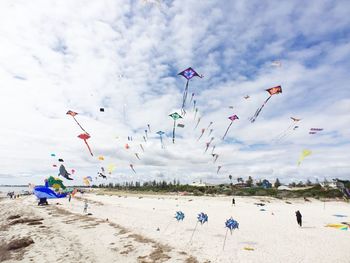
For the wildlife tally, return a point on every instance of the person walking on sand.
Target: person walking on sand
(233, 201)
(299, 217)
(69, 197)
(85, 206)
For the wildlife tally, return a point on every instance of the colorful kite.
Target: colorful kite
(146, 134)
(180, 125)
(144, 138)
(212, 150)
(85, 137)
(73, 171)
(232, 118)
(247, 97)
(201, 218)
(304, 154)
(56, 183)
(276, 63)
(161, 133)
(101, 158)
(73, 114)
(271, 91)
(127, 146)
(188, 74)
(132, 168)
(202, 132)
(64, 173)
(199, 119)
(137, 156)
(286, 132)
(315, 130)
(175, 116)
(195, 114)
(210, 123)
(54, 165)
(110, 168)
(149, 127)
(207, 144)
(211, 130)
(53, 155)
(216, 156)
(142, 148)
(194, 105)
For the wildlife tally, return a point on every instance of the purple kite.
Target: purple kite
(188, 74)
(232, 118)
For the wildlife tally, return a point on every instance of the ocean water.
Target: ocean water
(17, 189)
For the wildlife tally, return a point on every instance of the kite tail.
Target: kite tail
(199, 119)
(79, 125)
(227, 130)
(200, 136)
(132, 168)
(174, 132)
(88, 147)
(184, 97)
(252, 119)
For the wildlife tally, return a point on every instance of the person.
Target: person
(69, 197)
(233, 201)
(85, 206)
(299, 217)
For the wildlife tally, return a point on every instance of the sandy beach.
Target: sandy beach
(142, 228)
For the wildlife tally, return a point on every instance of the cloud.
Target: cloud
(124, 56)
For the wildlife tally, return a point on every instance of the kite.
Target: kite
(102, 110)
(211, 139)
(207, 144)
(315, 130)
(230, 107)
(129, 138)
(100, 174)
(211, 130)
(144, 138)
(175, 116)
(53, 155)
(127, 146)
(64, 173)
(85, 137)
(87, 180)
(54, 165)
(271, 91)
(295, 127)
(212, 150)
(219, 167)
(110, 168)
(101, 158)
(60, 160)
(194, 105)
(146, 134)
(216, 156)
(209, 125)
(45, 192)
(276, 63)
(201, 218)
(247, 97)
(188, 74)
(137, 156)
(180, 125)
(55, 183)
(142, 148)
(202, 132)
(73, 114)
(199, 119)
(179, 216)
(73, 171)
(304, 154)
(161, 133)
(195, 113)
(232, 118)
(149, 127)
(286, 132)
(230, 224)
(191, 98)
(132, 168)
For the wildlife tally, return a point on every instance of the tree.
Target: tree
(230, 176)
(277, 183)
(249, 181)
(308, 182)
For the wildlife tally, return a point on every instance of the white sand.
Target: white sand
(275, 237)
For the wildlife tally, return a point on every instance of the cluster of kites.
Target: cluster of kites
(107, 169)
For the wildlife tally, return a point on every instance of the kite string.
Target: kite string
(252, 119)
(227, 130)
(79, 125)
(88, 147)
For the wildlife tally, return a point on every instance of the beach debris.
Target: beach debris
(304, 154)
(64, 173)
(175, 116)
(188, 74)
(85, 137)
(232, 118)
(271, 91)
(19, 243)
(230, 224)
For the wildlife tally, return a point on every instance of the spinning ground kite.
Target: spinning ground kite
(161, 133)
(64, 173)
(179, 216)
(201, 218)
(188, 74)
(175, 116)
(230, 224)
(271, 91)
(232, 118)
(73, 114)
(85, 137)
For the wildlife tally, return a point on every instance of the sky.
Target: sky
(125, 56)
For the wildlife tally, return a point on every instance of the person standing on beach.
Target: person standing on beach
(233, 201)
(69, 197)
(85, 206)
(299, 217)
